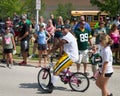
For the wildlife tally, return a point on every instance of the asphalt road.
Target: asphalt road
(22, 81)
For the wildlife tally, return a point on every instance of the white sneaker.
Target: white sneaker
(31, 56)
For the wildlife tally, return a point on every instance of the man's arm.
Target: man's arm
(26, 34)
(60, 44)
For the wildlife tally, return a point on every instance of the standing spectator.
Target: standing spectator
(82, 35)
(9, 22)
(97, 25)
(41, 21)
(3, 33)
(58, 34)
(119, 45)
(115, 36)
(8, 44)
(75, 22)
(41, 37)
(53, 20)
(87, 26)
(106, 70)
(100, 30)
(117, 20)
(11, 29)
(15, 19)
(51, 30)
(24, 39)
(67, 23)
(108, 25)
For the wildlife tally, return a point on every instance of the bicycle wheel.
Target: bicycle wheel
(79, 82)
(44, 79)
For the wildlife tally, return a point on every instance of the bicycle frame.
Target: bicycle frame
(66, 73)
(67, 77)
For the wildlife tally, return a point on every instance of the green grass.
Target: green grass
(30, 52)
(18, 52)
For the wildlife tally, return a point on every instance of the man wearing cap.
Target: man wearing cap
(24, 39)
(108, 24)
(98, 31)
(87, 26)
(98, 23)
(70, 55)
(83, 41)
(117, 20)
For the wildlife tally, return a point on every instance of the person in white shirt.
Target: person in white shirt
(70, 55)
(117, 20)
(106, 69)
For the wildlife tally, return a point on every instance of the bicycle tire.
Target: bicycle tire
(79, 82)
(44, 80)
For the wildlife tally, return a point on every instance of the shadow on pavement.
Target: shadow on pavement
(29, 85)
(40, 91)
(2, 66)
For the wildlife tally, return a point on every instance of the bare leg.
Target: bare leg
(78, 67)
(85, 67)
(25, 54)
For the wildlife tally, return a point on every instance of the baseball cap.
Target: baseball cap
(23, 17)
(107, 18)
(118, 15)
(41, 25)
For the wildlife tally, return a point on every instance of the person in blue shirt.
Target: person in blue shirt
(87, 26)
(42, 37)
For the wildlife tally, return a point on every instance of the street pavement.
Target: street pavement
(22, 81)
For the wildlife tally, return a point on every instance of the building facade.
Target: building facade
(51, 5)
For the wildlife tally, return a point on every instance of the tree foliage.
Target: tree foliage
(9, 7)
(64, 10)
(112, 7)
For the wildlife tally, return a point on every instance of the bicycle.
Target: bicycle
(77, 81)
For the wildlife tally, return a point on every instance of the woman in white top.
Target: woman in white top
(106, 69)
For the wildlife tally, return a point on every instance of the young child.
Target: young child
(8, 44)
(94, 60)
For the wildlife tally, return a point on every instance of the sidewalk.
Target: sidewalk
(35, 62)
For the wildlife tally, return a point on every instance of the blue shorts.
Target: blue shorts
(42, 46)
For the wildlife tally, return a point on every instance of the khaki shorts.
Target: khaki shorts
(83, 57)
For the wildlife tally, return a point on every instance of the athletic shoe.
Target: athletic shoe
(22, 63)
(32, 56)
(93, 78)
(86, 73)
(110, 94)
(50, 88)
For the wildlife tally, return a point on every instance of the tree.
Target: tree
(9, 7)
(63, 10)
(112, 7)
(31, 6)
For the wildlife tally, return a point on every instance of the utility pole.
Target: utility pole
(38, 8)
